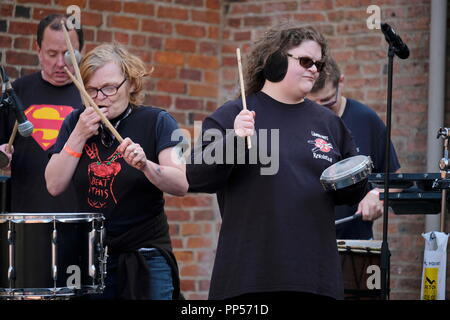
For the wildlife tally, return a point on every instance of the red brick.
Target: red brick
(213, 32)
(67, 3)
(194, 271)
(188, 104)
(104, 36)
(242, 36)
(155, 42)
(171, 86)
(188, 229)
(21, 58)
(157, 26)
(213, 4)
(5, 41)
(199, 90)
(199, 242)
(122, 37)
(203, 215)
(203, 62)
(257, 21)
(204, 285)
(174, 229)
(122, 22)
(245, 9)
(40, 13)
(190, 30)
(185, 45)
(140, 8)
(190, 74)
(22, 43)
(184, 256)
(309, 17)
(106, 5)
(35, 1)
(157, 100)
(22, 28)
(165, 71)
(91, 19)
(176, 243)
(138, 40)
(187, 285)
(6, 10)
(206, 16)
(177, 215)
(196, 3)
(172, 13)
(280, 6)
(171, 58)
(89, 34)
(211, 77)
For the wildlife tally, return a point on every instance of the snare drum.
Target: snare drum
(360, 259)
(346, 172)
(50, 255)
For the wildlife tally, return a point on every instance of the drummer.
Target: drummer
(277, 237)
(123, 181)
(369, 133)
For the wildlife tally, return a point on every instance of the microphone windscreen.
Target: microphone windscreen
(25, 129)
(68, 60)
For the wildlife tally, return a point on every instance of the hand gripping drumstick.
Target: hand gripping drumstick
(241, 81)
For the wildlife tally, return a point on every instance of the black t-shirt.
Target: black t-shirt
(277, 231)
(106, 183)
(369, 133)
(45, 106)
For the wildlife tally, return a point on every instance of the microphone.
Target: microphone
(394, 40)
(67, 58)
(25, 127)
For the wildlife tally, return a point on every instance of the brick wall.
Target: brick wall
(191, 44)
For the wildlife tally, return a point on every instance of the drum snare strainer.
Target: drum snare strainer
(346, 172)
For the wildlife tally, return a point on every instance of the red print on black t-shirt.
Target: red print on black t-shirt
(101, 177)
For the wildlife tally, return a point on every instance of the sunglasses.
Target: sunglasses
(307, 63)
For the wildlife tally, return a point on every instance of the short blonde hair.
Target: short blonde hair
(133, 68)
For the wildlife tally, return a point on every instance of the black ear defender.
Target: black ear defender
(276, 67)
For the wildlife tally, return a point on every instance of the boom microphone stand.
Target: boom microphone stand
(396, 47)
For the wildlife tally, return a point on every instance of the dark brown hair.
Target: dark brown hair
(278, 39)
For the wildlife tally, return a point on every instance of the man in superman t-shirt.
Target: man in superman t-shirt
(48, 96)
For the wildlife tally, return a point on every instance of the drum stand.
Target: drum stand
(423, 193)
(385, 254)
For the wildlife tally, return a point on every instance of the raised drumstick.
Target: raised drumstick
(241, 81)
(91, 103)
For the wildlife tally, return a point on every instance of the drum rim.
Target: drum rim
(49, 216)
(347, 174)
(49, 292)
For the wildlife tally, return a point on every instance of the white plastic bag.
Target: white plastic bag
(434, 266)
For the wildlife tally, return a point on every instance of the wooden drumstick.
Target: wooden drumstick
(72, 58)
(91, 103)
(241, 81)
(12, 137)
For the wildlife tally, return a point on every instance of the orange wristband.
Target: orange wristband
(71, 152)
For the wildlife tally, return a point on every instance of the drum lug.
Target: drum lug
(54, 253)
(11, 252)
(91, 253)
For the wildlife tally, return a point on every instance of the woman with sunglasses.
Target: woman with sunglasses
(277, 238)
(123, 181)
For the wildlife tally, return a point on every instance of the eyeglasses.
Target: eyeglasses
(333, 102)
(307, 62)
(107, 91)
